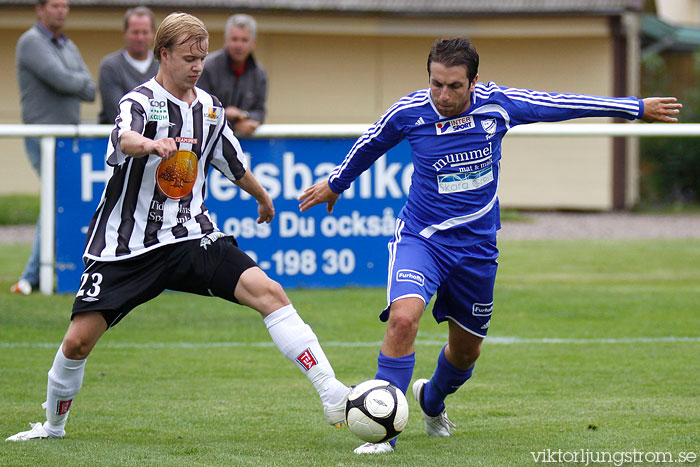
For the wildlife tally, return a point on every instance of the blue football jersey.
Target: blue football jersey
(453, 196)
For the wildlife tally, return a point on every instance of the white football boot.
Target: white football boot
(22, 287)
(439, 425)
(374, 448)
(335, 414)
(37, 432)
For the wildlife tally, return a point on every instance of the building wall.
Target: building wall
(679, 12)
(342, 69)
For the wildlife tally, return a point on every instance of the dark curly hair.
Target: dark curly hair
(455, 51)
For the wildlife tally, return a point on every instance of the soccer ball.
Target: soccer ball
(376, 411)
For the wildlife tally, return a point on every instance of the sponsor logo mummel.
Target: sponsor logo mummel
(409, 275)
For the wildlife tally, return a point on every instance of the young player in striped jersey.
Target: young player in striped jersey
(152, 232)
(445, 237)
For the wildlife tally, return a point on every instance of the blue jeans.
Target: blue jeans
(31, 269)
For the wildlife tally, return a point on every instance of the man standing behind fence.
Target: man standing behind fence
(123, 70)
(53, 79)
(236, 78)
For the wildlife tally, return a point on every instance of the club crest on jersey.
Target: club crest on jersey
(307, 359)
(212, 114)
(158, 111)
(176, 176)
(456, 125)
(489, 126)
(409, 275)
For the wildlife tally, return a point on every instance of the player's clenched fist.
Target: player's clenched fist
(164, 147)
(134, 144)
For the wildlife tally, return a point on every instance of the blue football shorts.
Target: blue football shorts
(463, 278)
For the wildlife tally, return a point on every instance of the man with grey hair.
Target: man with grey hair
(123, 70)
(234, 76)
(53, 80)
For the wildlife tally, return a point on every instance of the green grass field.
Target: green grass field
(19, 209)
(594, 346)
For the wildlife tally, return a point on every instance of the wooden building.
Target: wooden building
(346, 61)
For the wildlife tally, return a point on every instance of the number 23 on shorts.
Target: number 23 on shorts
(89, 285)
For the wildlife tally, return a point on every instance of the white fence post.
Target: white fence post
(48, 218)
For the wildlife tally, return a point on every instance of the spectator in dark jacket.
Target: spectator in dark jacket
(236, 78)
(123, 70)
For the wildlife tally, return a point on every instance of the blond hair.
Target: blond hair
(179, 28)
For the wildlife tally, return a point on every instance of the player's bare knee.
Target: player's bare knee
(466, 356)
(76, 347)
(403, 324)
(471, 355)
(261, 293)
(276, 294)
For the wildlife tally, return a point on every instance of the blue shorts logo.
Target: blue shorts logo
(409, 275)
(482, 309)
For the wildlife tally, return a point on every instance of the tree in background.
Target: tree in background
(670, 167)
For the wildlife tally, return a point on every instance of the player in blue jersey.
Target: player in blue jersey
(445, 237)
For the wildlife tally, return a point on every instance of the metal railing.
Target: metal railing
(49, 133)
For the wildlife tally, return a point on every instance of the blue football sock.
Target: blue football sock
(398, 371)
(446, 380)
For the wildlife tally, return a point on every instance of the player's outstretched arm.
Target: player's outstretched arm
(661, 109)
(250, 184)
(318, 194)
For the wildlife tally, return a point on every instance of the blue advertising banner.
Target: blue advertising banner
(311, 249)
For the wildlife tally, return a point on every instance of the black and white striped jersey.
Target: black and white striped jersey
(149, 202)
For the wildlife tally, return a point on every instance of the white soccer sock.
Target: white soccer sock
(65, 380)
(297, 341)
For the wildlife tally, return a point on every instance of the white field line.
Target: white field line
(489, 340)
